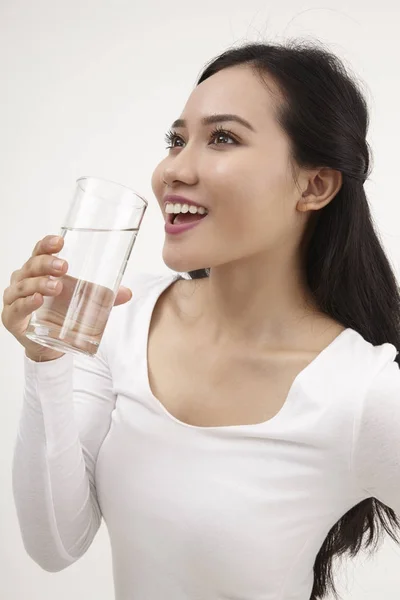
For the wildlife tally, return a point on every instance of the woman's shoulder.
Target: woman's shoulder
(143, 282)
(145, 286)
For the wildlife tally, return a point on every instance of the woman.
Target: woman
(239, 429)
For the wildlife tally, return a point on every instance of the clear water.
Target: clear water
(76, 318)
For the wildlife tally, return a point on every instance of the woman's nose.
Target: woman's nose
(181, 169)
(186, 177)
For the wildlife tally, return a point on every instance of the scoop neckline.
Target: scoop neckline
(159, 289)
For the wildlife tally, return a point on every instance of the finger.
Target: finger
(28, 287)
(45, 266)
(123, 295)
(42, 264)
(15, 276)
(46, 246)
(20, 309)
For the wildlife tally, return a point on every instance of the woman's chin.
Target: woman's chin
(181, 264)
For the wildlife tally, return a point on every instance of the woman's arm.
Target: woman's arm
(65, 417)
(376, 451)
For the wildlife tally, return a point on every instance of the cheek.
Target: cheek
(255, 193)
(226, 178)
(234, 184)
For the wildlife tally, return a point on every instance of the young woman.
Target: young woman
(239, 428)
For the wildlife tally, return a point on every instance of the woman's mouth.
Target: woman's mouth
(184, 213)
(179, 222)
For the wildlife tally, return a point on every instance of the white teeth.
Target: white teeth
(184, 208)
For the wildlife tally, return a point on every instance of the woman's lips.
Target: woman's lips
(174, 228)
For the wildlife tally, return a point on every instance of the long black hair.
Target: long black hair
(325, 115)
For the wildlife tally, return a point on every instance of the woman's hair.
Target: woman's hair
(325, 116)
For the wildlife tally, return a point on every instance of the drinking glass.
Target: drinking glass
(99, 232)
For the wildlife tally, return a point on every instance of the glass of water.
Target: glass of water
(99, 232)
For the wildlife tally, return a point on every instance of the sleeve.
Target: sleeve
(65, 417)
(376, 449)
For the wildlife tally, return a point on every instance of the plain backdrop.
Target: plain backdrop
(89, 87)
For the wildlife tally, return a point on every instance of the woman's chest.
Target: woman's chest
(208, 387)
(236, 508)
(204, 385)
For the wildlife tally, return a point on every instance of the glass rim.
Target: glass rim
(114, 183)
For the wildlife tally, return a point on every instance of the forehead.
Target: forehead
(238, 90)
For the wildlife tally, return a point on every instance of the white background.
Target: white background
(90, 88)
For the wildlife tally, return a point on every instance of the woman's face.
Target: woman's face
(241, 175)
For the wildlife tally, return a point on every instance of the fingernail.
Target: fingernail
(52, 284)
(54, 241)
(57, 264)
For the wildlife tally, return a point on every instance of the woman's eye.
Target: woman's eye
(223, 135)
(219, 134)
(170, 138)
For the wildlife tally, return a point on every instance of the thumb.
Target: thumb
(124, 294)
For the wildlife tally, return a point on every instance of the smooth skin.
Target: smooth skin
(251, 239)
(28, 286)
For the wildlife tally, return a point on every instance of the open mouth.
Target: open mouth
(184, 217)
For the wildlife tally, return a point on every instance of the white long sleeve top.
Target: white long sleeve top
(196, 513)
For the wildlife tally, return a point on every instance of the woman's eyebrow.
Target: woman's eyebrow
(216, 119)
